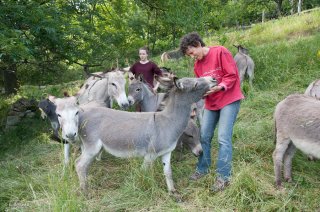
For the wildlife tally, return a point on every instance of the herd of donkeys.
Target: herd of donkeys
(87, 120)
(168, 120)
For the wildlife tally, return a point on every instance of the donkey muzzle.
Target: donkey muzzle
(71, 137)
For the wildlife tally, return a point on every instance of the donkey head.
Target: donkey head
(192, 138)
(194, 88)
(166, 81)
(166, 72)
(67, 111)
(48, 109)
(116, 88)
(136, 91)
(241, 49)
(315, 89)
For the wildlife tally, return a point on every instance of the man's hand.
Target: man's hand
(213, 90)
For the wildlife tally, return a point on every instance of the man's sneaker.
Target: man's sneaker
(220, 184)
(196, 176)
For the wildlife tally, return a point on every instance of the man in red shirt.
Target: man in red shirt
(222, 104)
(145, 67)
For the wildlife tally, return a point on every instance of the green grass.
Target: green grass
(32, 177)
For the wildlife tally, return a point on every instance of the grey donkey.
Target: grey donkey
(297, 125)
(147, 134)
(190, 138)
(63, 114)
(48, 109)
(313, 90)
(244, 63)
(104, 87)
(100, 87)
(171, 55)
(140, 92)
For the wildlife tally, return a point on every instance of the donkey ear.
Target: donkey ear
(126, 69)
(140, 78)
(74, 100)
(51, 98)
(130, 77)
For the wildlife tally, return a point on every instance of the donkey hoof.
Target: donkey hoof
(311, 158)
(288, 179)
(84, 188)
(279, 185)
(176, 196)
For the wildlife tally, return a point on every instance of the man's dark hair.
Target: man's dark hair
(191, 39)
(144, 48)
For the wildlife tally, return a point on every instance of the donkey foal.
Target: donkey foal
(297, 121)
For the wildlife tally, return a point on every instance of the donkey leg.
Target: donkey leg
(83, 162)
(168, 172)
(278, 154)
(98, 158)
(148, 161)
(250, 75)
(288, 162)
(200, 115)
(242, 74)
(66, 147)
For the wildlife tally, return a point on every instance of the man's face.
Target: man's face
(195, 52)
(143, 55)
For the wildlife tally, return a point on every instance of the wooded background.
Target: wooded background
(41, 39)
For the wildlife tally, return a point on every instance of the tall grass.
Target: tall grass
(32, 176)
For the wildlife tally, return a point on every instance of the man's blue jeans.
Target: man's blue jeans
(226, 118)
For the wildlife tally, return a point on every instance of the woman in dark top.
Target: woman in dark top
(145, 67)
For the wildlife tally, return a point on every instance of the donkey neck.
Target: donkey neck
(178, 108)
(149, 98)
(175, 114)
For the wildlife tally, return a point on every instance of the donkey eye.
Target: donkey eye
(196, 85)
(77, 113)
(59, 115)
(138, 89)
(114, 84)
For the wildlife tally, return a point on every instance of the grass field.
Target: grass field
(285, 51)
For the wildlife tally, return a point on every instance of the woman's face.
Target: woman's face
(195, 52)
(143, 55)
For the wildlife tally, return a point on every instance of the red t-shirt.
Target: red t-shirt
(148, 71)
(219, 63)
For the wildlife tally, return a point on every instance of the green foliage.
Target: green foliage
(44, 38)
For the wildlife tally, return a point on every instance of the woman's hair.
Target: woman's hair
(144, 48)
(191, 39)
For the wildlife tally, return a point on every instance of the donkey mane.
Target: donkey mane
(148, 86)
(111, 70)
(171, 88)
(165, 100)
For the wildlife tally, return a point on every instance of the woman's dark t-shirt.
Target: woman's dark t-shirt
(148, 71)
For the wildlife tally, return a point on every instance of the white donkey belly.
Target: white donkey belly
(124, 153)
(169, 149)
(308, 147)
